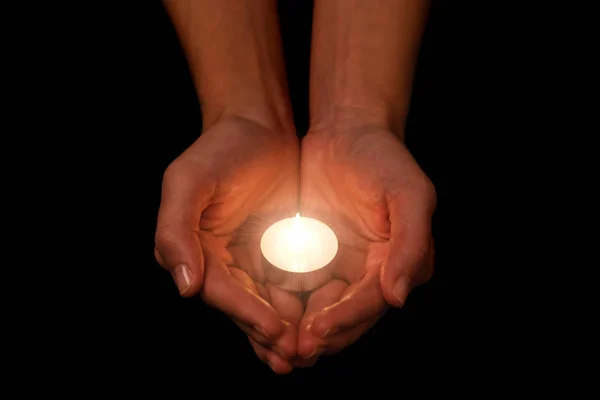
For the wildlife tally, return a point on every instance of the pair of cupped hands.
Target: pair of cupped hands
(239, 177)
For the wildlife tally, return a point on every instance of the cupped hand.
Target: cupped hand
(364, 183)
(217, 198)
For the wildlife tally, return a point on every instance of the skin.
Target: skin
(242, 172)
(215, 200)
(382, 217)
(245, 171)
(356, 173)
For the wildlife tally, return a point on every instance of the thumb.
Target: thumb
(409, 249)
(177, 241)
(178, 251)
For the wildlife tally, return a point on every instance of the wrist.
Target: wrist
(346, 116)
(269, 115)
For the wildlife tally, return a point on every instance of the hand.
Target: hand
(363, 182)
(216, 198)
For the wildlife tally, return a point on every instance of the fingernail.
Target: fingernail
(323, 335)
(327, 332)
(183, 278)
(400, 291)
(312, 354)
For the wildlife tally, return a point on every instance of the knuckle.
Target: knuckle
(171, 176)
(172, 172)
(164, 238)
(429, 191)
(271, 330)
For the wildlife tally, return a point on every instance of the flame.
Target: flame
(298, 235)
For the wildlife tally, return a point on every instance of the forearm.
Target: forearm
(233, 48)
(363, 58)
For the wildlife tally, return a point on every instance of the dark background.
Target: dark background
(153, 115)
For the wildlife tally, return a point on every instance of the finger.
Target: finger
(159, 259)
(221, 290)
(361, 302)
(290, 309)
(277, 364)
(244, 278)
(409, 246)
(288, 305)
(284, 303)
(261, 351)
(426, 272)
(179, 252)
(299, 362)
(340, 341)
(263, 292)
(254, 334)
(176, 240)
(247, 256)
(280, 346)
(315, 347)
(328, 294)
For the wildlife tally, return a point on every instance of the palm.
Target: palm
(276, 198)
(340, 188)
(241, 176)
(347, 183)
(258, 187)
(265, 191)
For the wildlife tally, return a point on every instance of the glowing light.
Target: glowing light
(299, 244)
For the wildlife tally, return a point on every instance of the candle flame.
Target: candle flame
(300, 245)
(298, 236)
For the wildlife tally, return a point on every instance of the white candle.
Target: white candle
(299, 244)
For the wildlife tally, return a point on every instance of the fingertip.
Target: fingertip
(179, 252)
(304, 363)
(278, 364)
(397, 292)
(275, 362)
(271, 328)
(288, 343)
(307, 341)
(188, 281)
(321, 326)
(308, 345)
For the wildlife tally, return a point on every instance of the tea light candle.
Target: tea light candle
(299, 244)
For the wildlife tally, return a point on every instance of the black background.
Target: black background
(153, 115)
